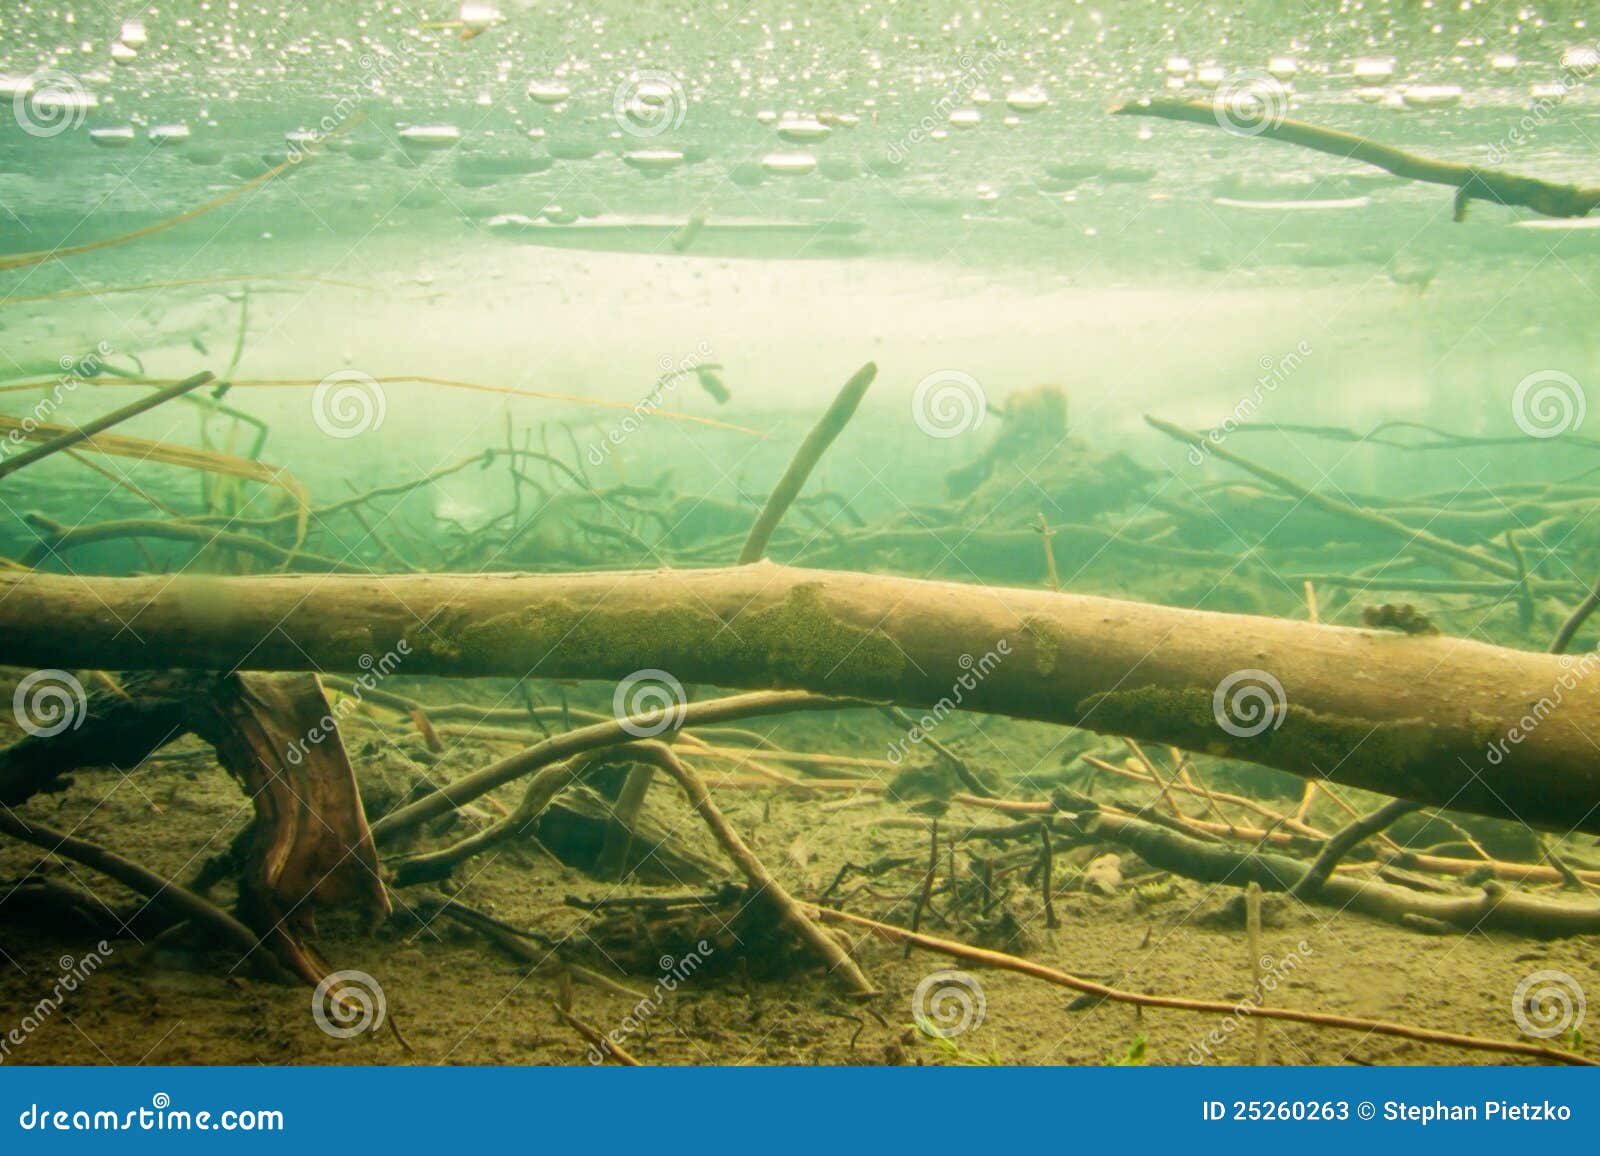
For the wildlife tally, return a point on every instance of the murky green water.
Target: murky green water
(581, 199)
(548, 286)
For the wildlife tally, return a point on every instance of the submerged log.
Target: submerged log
(1443, 721)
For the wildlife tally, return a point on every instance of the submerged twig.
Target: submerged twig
(805, 460)
(104, 422)
(609, 733)
(762, 882)
(163, 892)
(1413, 536)
(1343, 840)
(1575, 621)
(1470, 182)
(596, 1038)
(1013, 963)
(39, 257)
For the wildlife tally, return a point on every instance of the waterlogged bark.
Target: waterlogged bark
(309, 846)
(1443, 721)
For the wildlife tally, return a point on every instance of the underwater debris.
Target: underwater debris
(1471, 182)
(710, 378)
(805, 460)
(309, 844)
(87, 430)
(1405, 618)
(28, 260)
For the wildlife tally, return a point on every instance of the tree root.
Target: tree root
(179, 901)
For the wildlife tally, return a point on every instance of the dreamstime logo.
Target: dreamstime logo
(74, 973)
(948, 403)
(48, 702)
(373, 671)
(649, 103)
(1273, 973)
(1578, 64)
(1547, 1004)
(1250, 103)
(51, 104)
(674, 972)
(948, 1003)
(348, 1003)
(672, 374)
(974, 672)
(1573, 671)
(971, 72)
(1248, 702)
(73, 371)
(644, 693)
(347, 404)
(1275, 371)
(376, 67)
(1548, 404)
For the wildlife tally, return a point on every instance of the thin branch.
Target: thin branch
(89, 429)
(1470, 182)
(805, 460)
(1004, 962)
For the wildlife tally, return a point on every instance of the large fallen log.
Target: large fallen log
(1443, 721)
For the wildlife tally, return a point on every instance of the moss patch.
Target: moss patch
(795, 643)
(1046, 641)
(802, 643)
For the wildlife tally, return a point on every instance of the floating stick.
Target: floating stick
(1470, 182)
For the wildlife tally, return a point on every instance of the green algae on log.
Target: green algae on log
(1443, 721)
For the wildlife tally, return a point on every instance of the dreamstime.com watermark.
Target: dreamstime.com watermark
(1275, 371)
(1548, 1004)
(1578, 65)
(972, 72)
(50, 102)
(1548, 403)
(348, 403)
(1250, 102)
(74, 973)
(976, 670)
(649, 702)
(74, 370)
(160, 1116)
(373, 671)
(948, 403)
(1575, 668)
(948, 1003)
(649, 103)
(674, 973)
(1249, 702)
(348, 1003)
(1273, 973)
(47, 703)
(376, 67)
(673, 373)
